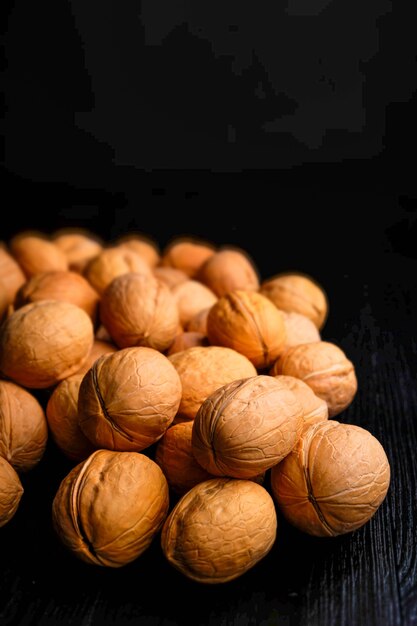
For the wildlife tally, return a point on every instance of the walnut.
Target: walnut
(36, 254)
(11, 275)
(299, 329)
(44, 342)
(191, 298)
(63, 286)
(246, 427)
(198, 323)
(314, 408)
(109, 508)
(111, 263)
(78, 245)
(229, 270)
(11, 491)
(143, 246)
(138, 310)
(128, 399)
(325, 368)
(187, 255)
(183, 341)
(219, 530)
(333, 481)
(23, 427)
(250, 324)
(98, 349)
(298, 293)
(170, 276)
(62, 416)
(203, 370)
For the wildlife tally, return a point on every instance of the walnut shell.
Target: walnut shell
(170, 276)
(198, 323)
(63, 286)
(299, 294)
(11, 491)
(183, 341)
(144, 247)
(23, 427)
(333, 481)
(111, 263)
(44, 342)
(138, 310)
(203, 370)
(98, 349)
(128, 399)
(79, 246)
(219, 530)
(62, 416)
(187, 255)
(36, 254)
(191, 298)
(109, 508)
(246, 427)
(229, 270)
(250, 324)
(11, 274)
(325, 368)
(314, 408)
(299, 329)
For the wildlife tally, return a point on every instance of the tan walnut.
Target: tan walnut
(229, 270)
(246, 427)
(325, 368)
(36, 254)
(111, 263)
(333, 481)
(128, 399)
(198, 323)
(250, 324)
(219, 530)
(44, 342)
(78, 245)
(143, 246)
(191, 298)
(109, 508)
(187, 255)
(11, 491)
(11, 274)
(314, 408)
(299, 329)
(170, 276)
(23, 427)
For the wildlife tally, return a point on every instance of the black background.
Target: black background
(118, 120)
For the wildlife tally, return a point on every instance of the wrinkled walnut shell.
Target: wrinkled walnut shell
(246, 427)
(229, 270)
(219, 530)
(11, 491)
(111, 263)
(299, 329)
(191, 298)
(79, 246)
(145, 248)
(36, 254)
(333, 481)
(11, 274)
(314, 408)
(187, 255)
(109, 508)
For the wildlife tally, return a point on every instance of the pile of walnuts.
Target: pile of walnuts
(177, 375)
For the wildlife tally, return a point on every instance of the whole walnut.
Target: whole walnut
(170, 276)
(229, 270)
(128, 399)
(314, 408)
(62, 416)
(191, 298)
(98, 349)
(219, 530)
(325, 368)
(109, 508)
(299, 294)
(299, 329)
(23, 427)
(63, 286)
(198, 323)
(44, 342)
(11, 274)
(250, 324)
(138, 310)
(202, 370)
(333, 481)
(11, 491)
(143, 246)
(36, 254)
(111, 263)
(187, 255)
(78, 245)
(246, 427)
(183, 341)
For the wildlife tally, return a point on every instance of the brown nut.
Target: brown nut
(299, 294)
(78, 245)
(63, 286)
(144, 247)
(36, 254)
(299, 329)
(203, 370)
(62, 416)
(198, 323)
(44, 342)
(246, 427)
(250, 324)
(187, 255)
(11, 274)
(170, 276)
(325, 368)
(98, 349)
(219, 530)
(109, 508)
(191, 298)
(111, 263)
(183, 341)
(11, 491)
(314, 408)
(138, 310)
(229, 270)
(333, 481)
(128, 399)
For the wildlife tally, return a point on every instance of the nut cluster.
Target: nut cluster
(192, 397)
